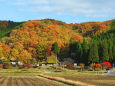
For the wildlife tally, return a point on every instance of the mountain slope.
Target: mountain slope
(6, 27)
(34, 38)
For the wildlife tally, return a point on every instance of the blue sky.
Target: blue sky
(70, 11)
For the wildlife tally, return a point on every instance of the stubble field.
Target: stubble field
(27, 81)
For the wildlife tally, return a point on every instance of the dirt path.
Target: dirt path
(55, 83)
(27, 81)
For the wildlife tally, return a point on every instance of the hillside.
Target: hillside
(33, 39)
(6, 27)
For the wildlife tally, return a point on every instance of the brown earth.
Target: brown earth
(27, 81)
(98, 80)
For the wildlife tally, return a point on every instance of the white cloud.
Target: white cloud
(92, 8)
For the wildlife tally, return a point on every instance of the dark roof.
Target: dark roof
(1, 62)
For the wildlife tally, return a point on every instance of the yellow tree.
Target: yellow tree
(5, 50)
(41, 50)
(1, 54)
(19, 47)
(25, 56)
(13, 54)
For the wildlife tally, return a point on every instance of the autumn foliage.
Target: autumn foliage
(70, 65)
(22, 42)
(106, 65)
(98, 65)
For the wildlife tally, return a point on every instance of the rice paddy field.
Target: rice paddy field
(30, 77)
(93, 78)
(25, 77)
(27, 81)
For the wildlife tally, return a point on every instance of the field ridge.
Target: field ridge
(67, 81)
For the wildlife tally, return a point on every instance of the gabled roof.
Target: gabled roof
(51, 59)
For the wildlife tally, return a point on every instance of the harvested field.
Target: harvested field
(27, 81)
(98, 80)
(94, 79)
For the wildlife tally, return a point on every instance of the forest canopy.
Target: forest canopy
(34, 40)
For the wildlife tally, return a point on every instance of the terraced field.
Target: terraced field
(27, 81)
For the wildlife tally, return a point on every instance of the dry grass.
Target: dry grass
(87, 77)
(71, 82)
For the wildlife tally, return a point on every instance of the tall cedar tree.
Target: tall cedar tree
(100, 49)
(110, 51)
(72, 49)
(93, 53)
(114, 51)
(85, 48)
(79, 52)
(55, 48)
(105, 54)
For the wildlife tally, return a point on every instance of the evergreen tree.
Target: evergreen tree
(113, 50)
(72, 46)
(93, 53)
(100, 49)
(55, 48)
(72, 49)
(105, 54)
(85, 48)
(79, 51)
(110, 50)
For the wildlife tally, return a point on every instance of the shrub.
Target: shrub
(92, 66)
(28, 66)
(6, 66)
(39, 67)
(70, 66)
(98, 65)
(20, 66)
(97, 69)
(82, 66)
(1, 65)
(34, 56)
(106, 65)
